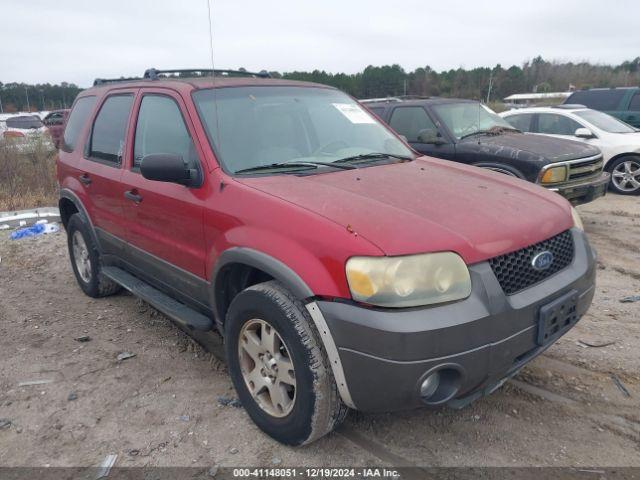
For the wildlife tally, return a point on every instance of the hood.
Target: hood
(428, 205)
(548, 149)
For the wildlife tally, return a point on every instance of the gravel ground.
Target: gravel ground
(162, 407)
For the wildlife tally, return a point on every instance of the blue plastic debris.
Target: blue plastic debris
(34, 230)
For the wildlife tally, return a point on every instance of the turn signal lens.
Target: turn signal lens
(554, 175)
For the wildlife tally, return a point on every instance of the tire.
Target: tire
(314, 406)
(85, 260)
(625, 171)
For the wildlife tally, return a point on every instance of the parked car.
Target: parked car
(24, 132)
(54, 121)
(342, 269)
(619, 142)
(466, 131)
(622, 102)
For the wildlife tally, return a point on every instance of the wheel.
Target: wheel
(625, 175)
(85, 260)
(279, 367)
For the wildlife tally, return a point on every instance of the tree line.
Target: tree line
(495, 83)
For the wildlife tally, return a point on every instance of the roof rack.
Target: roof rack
(155, 74)
(102, 81)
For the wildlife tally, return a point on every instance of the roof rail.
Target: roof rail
(397, 98)
(155, 74)
(102, 81)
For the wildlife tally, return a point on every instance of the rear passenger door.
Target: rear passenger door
(165, 220)
(415, 124)
(100, 169)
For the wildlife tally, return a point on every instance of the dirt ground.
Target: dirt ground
(162, 407)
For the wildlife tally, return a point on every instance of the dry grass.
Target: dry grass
(27, 180)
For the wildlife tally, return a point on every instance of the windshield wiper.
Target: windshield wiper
(294, 164)
(370, 156)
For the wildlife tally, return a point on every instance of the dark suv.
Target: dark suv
(340, 268)
(621, 102)
(469, 132)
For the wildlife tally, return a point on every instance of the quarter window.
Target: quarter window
(411, 122)
(77, 120)
(109, 128)
(161, 129)
(520, 121)
(554, 124)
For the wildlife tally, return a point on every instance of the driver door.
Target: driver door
(421, 131)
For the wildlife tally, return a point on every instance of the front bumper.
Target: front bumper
(385, 354)
(584, 192)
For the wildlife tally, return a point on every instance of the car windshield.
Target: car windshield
(467, 118)
(605, 122)
(24, 122)
(252, 127)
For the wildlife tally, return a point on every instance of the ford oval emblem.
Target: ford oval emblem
(542, 260)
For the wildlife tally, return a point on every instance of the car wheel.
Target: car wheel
(85, 260)
(279, 367)
(625, 175)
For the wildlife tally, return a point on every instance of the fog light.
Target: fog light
(430, 385)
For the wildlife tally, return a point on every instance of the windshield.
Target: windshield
(466, 118)
(254, 126)
(605, 122)
(24, 122)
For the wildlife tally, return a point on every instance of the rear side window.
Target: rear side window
(521, 121)
(161, 129)
(635, 103)
(411, 122)
(598, 99)
(554, 124)
(377, 110)
(24, 122)
(77, 119)
(109, 128)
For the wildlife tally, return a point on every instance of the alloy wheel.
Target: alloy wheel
(626, 176)
(81, 256)
(267, 368)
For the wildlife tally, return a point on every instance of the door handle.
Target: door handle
(84, 179)
(133, 196)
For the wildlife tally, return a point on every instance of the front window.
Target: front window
(258, 126)
(605, 122)
(468, 118)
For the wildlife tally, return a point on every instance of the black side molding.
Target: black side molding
(178, 312)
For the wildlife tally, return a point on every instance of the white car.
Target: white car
(25, 132)
(619, 142)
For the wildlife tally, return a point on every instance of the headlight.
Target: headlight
(577, 221)
(554, 175)
(408, 281)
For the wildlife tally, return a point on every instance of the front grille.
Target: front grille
(591, 167)
(515, 271)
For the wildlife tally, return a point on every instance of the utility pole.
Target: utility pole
(26, 92)
(42, 100)
(490, 85)
(1, 109)
(405, 87)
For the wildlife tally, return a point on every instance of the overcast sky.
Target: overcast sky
(78, 40)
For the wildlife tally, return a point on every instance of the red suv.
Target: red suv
(340, 267)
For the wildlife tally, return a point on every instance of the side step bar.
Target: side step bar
(178, 312)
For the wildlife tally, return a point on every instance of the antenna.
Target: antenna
(213, 68)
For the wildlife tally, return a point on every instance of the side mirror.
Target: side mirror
(584, 133)
(166, 167)
(431, 137)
